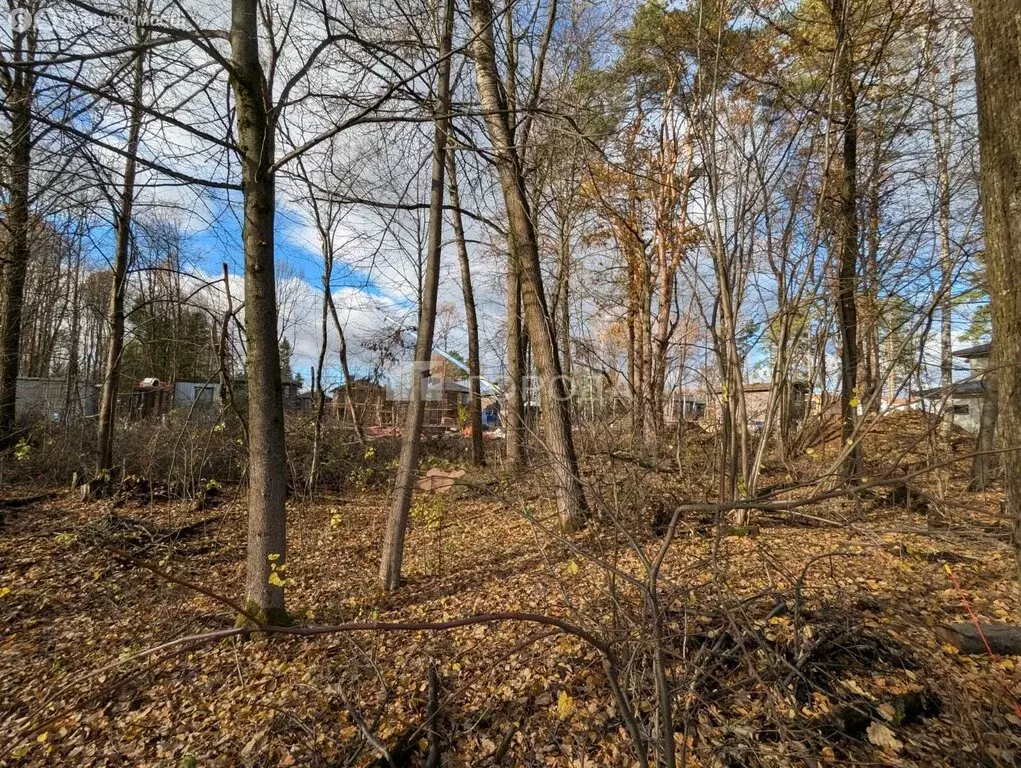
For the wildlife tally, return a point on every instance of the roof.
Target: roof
(765, 386)
(969, 388)
(287, 381)
(979, 350)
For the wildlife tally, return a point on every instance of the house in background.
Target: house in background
(42, 399)
(368, 397)
(152, 396)
(197, 394)
(977, 357)
(757, 396)
(963, 405)
(238, 386)
(451, 404)
(490, 412)
(679, 405)
(376, 406)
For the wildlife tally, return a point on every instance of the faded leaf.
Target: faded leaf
(883, 737)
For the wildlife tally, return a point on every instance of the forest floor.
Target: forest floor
(850, 608)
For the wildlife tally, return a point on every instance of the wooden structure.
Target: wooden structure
(757, 396)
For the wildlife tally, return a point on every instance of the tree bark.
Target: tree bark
(998, 84)
(19, 93)
(513, 417)
(847, 238)
(115, 312)
(267, 488)
(407, 470)
(471, 317)
(317, 374)
(1003, 640)
(553, 390)
(72, 397)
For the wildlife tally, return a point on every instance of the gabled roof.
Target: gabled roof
(979, 350)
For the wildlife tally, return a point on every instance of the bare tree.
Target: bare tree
(471, 316)
(407, 470)
(122, 247)
(555, 397)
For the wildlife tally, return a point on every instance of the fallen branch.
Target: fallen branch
(1003, 639)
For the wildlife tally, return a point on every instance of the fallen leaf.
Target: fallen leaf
(883, 737)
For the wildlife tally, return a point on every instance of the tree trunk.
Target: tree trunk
(115, 312)
(342, 355)
(847, 239)
(562, 302)
(943, 141)
(1003, 640)
(998, 80)
(513, 415)
(19, 104)
(72, 398)
(554, 398)
(267, 489)
(317, 374)
(471, 317)
(397, 521)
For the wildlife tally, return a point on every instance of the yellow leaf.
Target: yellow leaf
(4, 591)
(41, 738)
(275, 580)
(274, 557)
(572, 568)
(565, 705)
(20, 751)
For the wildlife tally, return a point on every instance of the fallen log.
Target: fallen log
(1003, 639)
(12, 505)
(25, 501)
